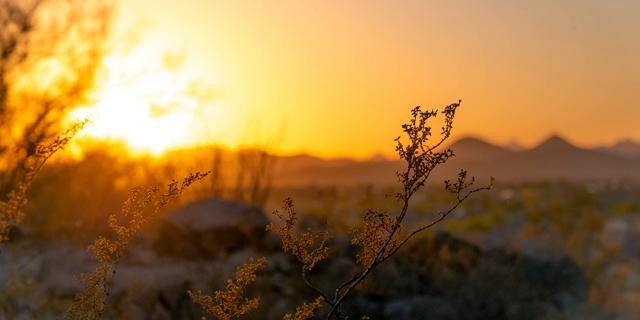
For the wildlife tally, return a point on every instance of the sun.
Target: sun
(147, 101)
(123, 114)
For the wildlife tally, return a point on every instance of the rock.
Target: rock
(211, 227)
(280, 308)
(533, 310)
(364, 306)
(418, 307)
(399, 309)
(18, 233)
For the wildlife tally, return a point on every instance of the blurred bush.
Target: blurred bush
(50, 53)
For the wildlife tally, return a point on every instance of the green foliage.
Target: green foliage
(625, 207)
(479, 223)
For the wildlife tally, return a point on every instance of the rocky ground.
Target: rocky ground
(439, 276)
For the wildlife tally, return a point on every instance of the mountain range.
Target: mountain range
(553, 159)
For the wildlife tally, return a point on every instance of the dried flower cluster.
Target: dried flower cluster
(229, 304)
(10, 214)
(298, 245)
(380, 237)
(377, 227)
(108, 253)
(306, 311)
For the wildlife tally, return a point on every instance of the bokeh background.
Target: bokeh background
(304, 100)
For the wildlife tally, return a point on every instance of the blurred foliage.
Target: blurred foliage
(595, 223)
(50, 56)
(229, 304)
(380, 234)
(74, 196)
(142, 205)
(11, 211)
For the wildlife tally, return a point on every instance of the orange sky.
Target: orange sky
(342, 76)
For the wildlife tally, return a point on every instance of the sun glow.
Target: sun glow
(150, 101)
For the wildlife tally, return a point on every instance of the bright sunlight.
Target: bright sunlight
(150, 101)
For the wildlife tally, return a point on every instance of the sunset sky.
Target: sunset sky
(338, 78)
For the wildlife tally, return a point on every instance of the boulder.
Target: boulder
(210, 228)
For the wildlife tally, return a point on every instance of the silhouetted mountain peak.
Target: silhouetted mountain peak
(627, 143)
(625, 148)
(469, 141)
(554, 158)
(473, 143)
(476, 149)
(378, 157)
(514, 146)
(555, 143)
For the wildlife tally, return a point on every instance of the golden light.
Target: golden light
(358, 60)
(150, 102)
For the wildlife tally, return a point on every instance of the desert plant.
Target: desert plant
(108, 253)
(255, 165)
(229, 303)
(254, 176)
(49, 61)
(306, 311)
(10, 213)
(380, 237)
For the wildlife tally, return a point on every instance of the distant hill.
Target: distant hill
(514, 146)
(478, 150)
(306, 162)
(300, 171)
(554, 158)
(627, 149)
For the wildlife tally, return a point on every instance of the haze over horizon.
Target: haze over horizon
(512, 145)
(337, 79)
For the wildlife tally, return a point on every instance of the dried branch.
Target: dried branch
(108, 253)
